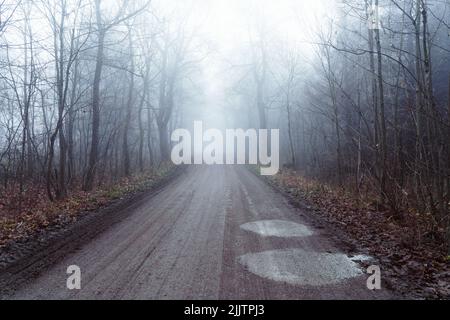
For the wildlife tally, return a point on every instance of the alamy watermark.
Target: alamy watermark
(374, 281)
(237, 147)
(74, 280)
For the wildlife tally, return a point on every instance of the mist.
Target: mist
(342, 103)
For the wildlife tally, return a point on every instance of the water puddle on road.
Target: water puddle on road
(300, 267)
(277, 228)
(361, 258)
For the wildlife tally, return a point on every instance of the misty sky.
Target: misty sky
(227, 26)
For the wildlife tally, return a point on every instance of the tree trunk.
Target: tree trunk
(93, 156)
(448, 167)
(382, 113)
(163, 141)
(149, 134)
(291, 142)
(140, 120)
(70, 127)
(129, 107)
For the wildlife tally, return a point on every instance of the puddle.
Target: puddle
(361, 258)
(300, 267)
(277, 228)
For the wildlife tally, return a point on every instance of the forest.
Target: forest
(91, 90)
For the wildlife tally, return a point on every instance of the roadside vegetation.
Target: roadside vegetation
(37, 212)
(410, 246)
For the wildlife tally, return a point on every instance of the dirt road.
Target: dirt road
(215, 232)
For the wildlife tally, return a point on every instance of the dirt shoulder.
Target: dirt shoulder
(413, 263)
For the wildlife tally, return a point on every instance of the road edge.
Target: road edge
(46, 247)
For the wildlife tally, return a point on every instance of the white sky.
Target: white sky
(229, 20)
(228, 24)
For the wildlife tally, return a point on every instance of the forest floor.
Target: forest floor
(412, 255)
(37, 216)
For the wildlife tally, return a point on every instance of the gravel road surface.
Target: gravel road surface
(214, 232)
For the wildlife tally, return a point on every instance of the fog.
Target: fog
(226, 32)
(92, 90)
